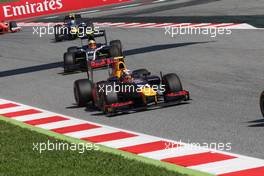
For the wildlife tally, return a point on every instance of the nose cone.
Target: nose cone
(147, 91)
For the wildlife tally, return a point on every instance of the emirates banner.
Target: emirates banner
(34, 8)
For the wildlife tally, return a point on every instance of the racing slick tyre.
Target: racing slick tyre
(140, 73)
(90, 24)
(118, 44)
(12, 25)
(172, 84)
(108, 98)
(57, 33)
(261, 103)
(72, 49)
(78, 16)
(83, 91)
(115, 51)
(69, 61)
(70, 36)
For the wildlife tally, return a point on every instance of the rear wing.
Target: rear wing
(109, 67)
(75, 16)
(95, 34)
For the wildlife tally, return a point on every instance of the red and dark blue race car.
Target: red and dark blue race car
(6, 27)
(97, 55)
(74, 27)
(125, 91)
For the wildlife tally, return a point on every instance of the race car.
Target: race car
(261, 103)
(98, 55)
(6, 27)
(73, 27)
(125, 91)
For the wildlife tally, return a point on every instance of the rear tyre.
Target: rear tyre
(140, 73)
(70, 36)
(115, 51)
(78, 16)
(57, 33)
(261, 103)
(118, 44)
(69, 61)
(172, 83)
(83, 92)
(12, 25)
(90, 25)
(72, 49)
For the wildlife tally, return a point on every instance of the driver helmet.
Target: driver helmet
(71, 16)
(127, 76)
(72, 22)
(92, 44)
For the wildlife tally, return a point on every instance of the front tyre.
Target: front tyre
(13, 26)
(109, 98)
(115, 51)
(69, 61)
(261, 103)
(118, 44)
(83, 92)
(57, 33)
(172, 83)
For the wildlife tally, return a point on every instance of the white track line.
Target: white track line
(126, 6)
(158, 1)
(158, 25)
(128, 24)
(231, 165)
(174, 152)
(161, 25)
(130, 141)
(2, 101)
(60, 124)
(91, 11)
(52, 17)
(14, 109)
(243, 26)
(143, 24)
(91, 132)
(115, 24)
(34, 116)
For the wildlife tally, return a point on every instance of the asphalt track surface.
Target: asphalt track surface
(177, 8)
(224, 75)
(189, 8)
(179, 11)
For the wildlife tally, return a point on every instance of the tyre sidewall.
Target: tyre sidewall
(83, 91)
(172, 83)
(261, 103)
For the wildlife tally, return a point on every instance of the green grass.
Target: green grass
(17, 157)
(3, 1)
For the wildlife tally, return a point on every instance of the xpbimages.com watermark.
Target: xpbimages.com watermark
(220, 146)
(130, 88)
(63, 146)
(183, 30)
(50, 29)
